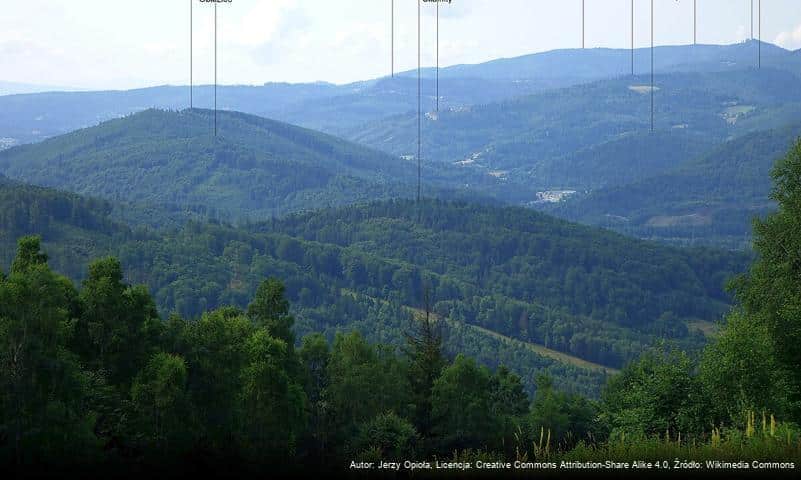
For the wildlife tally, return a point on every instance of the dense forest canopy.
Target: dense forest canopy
(589, 140)
(715, 196)
(521, 286)
(252, 168)
(93, 374)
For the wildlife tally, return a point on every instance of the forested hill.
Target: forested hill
(490, 265)
(254, 167)
(338, 108)
(584, 292)
(515, 136)
(715, 196)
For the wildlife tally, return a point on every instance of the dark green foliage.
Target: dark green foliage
(742, 374)
(95, 376)
(28, 255)
(387, 436)
(273, 401)
(563, 418)
(270, 310)
(43, 385)
(461, 403)
(658, 394)
(117, 324)
(770, 296)
(161, 403)
(222, 387)
(510, 402)
(525, 275)
(592, 294)
(424, 350)
(364, 381)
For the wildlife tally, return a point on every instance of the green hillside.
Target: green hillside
(714, 197)
(531, 140)
(631, 157)
(588, 293)
(254, 167)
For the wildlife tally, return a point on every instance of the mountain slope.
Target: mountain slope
(321, 106)
(522, 131)
(340, 108)
(715, 195)
(622, 160)
(599, 63)
(543, 142)
(581, 291)
(577, 289)
(254, 167)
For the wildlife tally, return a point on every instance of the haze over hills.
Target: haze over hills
(254, 167)
(521, 132)
(335, 109)
(599, 63)
(499, 135)
(563, 144)
(715, 195)
(31, 118)
(329, 280)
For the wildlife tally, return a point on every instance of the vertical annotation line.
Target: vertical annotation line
(191, 56)
(437, 57)
(419, 111)
(632, 37)
(215, 69)
(392, 38)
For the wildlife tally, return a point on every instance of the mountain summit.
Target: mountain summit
(253, 165)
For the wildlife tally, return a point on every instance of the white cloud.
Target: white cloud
(104, 44)
(789, 39)
(261, 24)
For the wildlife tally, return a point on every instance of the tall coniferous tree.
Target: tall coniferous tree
(424, 350)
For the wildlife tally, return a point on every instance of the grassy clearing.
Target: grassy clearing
(709, 329)
(547, 352)
(534, 347)
(541, 350)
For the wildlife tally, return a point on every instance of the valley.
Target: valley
(271, 278)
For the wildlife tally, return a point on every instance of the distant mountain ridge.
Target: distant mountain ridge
(599, 63)
(337, 108)
(522, 132)
(254, 167)
(18, 88)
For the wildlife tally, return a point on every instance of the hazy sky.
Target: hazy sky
(124, 43)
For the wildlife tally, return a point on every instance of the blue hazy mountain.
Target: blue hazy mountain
(254, 167)
(605, 125)
(598, 63)
(16, 88)
(336, 108)
(714, 197)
